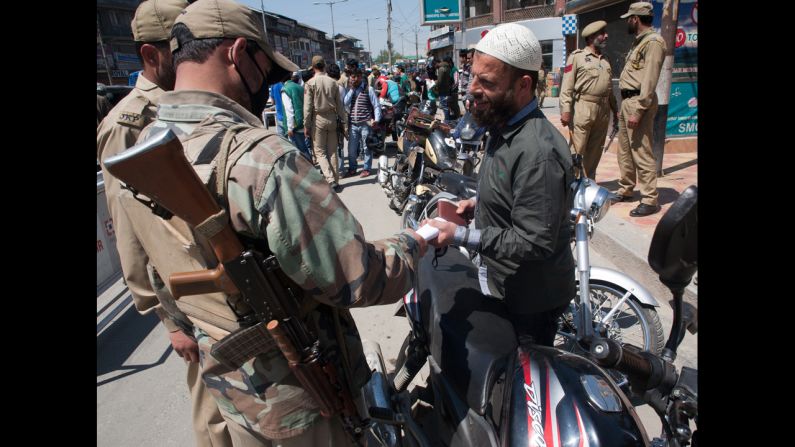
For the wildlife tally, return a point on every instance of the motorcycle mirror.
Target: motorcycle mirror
(673, 253)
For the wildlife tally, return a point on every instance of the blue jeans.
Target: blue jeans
(279, 130)
(299, 140)
(357, 138)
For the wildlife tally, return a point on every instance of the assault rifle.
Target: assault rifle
(269, 311)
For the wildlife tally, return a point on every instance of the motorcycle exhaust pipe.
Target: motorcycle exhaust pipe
(376, 395)
(382, 169)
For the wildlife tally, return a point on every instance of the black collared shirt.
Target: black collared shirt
(524, 199)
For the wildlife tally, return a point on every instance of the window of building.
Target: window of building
(546, 53)
(515, 4)
(478, 7)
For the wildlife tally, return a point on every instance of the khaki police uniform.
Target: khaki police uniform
(118, 131)
(586, 92)
(322, 107)
(638, 83)
(541, 90)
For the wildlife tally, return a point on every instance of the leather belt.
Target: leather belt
(629, 93)
(591, 98)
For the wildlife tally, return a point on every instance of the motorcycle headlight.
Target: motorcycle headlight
(467, 133)
(597, 201)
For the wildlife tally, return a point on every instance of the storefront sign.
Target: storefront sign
(440, 11)
(683, 109)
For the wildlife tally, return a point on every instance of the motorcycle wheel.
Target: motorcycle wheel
(633, 323)
(413, 211)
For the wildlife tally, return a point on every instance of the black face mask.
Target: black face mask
(258, 99)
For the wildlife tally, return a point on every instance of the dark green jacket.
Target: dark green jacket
(296, 94)
(524, 199)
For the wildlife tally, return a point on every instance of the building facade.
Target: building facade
(116, 55)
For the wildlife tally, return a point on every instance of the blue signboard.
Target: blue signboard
(683, 102)
(440, 11)
(682, 109)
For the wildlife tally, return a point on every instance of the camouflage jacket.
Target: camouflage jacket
(274, 194)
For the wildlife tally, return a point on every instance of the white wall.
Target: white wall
(549, 28)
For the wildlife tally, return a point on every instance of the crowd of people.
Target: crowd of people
(208, 73)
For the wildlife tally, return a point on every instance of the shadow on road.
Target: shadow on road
(120, 340)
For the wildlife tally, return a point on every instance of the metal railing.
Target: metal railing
(531, 12)
(481, 20)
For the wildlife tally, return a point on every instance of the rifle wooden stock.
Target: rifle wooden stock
(158, 169)
(201, 282)
(308, 371)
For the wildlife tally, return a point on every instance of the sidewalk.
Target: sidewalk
(628, 238)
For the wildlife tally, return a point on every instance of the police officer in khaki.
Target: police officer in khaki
(638, 83)
(151, 27)
(322, 108)
(587, 91)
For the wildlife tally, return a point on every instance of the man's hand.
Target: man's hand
(422, 242)
(565, 119)
(466, 209)
(306, 132)
(184, 346)
(446, 232)
(633, 122)
(371, 123)
(290, 133)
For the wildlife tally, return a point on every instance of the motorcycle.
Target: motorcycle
(616, 305)
(376, 140)
(425, 150)
(609, 302)
(486, 389)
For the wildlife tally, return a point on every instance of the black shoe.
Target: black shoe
(620, 198)
(336, 187)
(644, 210)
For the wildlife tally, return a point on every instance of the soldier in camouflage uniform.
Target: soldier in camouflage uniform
(151, 27)
(277, 201)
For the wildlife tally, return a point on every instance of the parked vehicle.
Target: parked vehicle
(486, 389)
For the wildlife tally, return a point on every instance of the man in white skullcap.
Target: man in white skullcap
(521, 213)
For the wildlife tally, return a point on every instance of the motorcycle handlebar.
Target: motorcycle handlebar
(646, 370)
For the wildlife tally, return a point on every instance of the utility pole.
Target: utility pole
(369, 47)
(331, 6)
(104, 56)
(389, 29)
(416, 48)
(670, 18)
(264, 28)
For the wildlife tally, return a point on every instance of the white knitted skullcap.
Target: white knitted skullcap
(513, 44)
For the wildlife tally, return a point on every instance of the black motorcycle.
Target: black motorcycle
(487, 389)
(426, 149)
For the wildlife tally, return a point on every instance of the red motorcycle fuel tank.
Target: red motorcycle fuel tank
(555, 398)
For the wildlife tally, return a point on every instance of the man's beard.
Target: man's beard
(498, 113)
(632, 28)
(601, 44)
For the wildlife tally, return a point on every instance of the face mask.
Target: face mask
(257, 99)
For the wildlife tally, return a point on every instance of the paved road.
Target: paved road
(142, 398)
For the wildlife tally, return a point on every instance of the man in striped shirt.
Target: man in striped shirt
(363, 112)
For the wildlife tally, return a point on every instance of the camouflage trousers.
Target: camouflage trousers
(263, 403)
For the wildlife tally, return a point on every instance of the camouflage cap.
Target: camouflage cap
(639, 9)
(593, 28)
(153, 19)
(227, 19)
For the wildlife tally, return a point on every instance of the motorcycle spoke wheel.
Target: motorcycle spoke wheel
(631, 323)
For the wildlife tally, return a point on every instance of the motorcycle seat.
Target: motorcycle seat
(458, 184)
(470, 335)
